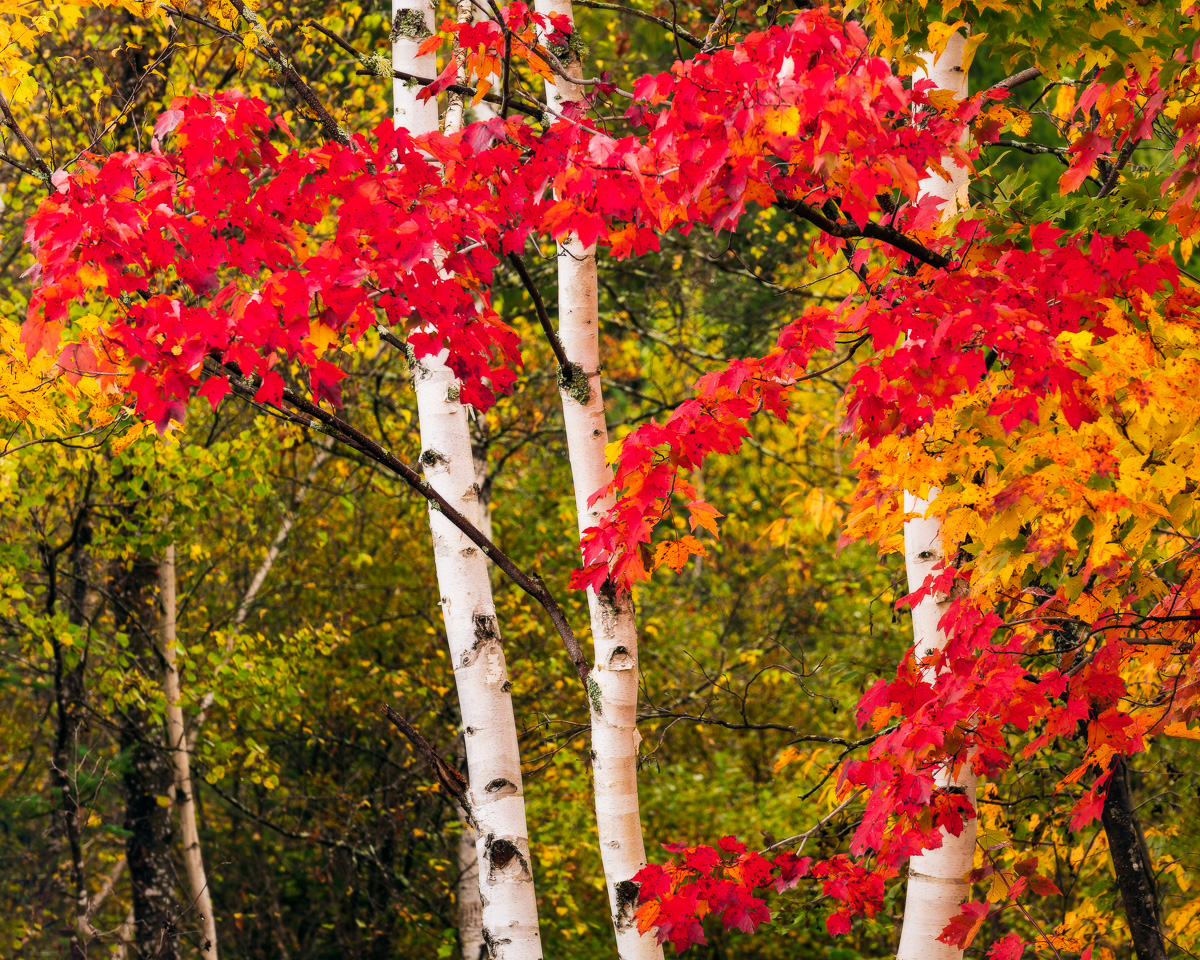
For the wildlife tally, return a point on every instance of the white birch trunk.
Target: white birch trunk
(470, 914)
(412, 23)
(613, 682)
(495, 796)
(937, 879)
(489, 728)
(177, 743)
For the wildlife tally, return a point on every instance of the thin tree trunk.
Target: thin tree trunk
(470, 909)
(1133, 867)
(148, 776)
(497, 803)
(193, 860)
(69, 702)
(281, 535)
(937, 879)
(613, 682)
(124, 937)
(496, 799)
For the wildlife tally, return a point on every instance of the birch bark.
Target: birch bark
(177, 744)
(613, 682)
(937, 879)
(496, 799)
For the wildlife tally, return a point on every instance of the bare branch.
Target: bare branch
(620, 8)
(447, 775)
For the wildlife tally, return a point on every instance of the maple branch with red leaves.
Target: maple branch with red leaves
(459, 88)
(868, 231)
(341, 430)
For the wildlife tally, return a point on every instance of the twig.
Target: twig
(11, 122)
(674, 28)
(447, 776)
(338, 428)
(540, 307)
(803, 837)
(333, 130)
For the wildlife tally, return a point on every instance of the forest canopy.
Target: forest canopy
(591, 479)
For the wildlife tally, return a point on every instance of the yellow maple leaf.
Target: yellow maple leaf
(321, 338)
(675, 553)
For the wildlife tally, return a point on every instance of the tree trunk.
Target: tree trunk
(470, 909)
(69, 703)
(148, 776)
(613, 682)
(177, 744)
(469, 918)
(496, 799)
(489, 727)
(937, 879)
(1133, 867)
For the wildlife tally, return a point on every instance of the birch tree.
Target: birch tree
(937, 879)
(496, 804)
(613, 681)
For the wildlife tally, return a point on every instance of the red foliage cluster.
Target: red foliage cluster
(231, 248)
(934, 333)
(702, 881)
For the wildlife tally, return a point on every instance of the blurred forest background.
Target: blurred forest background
(307, 595)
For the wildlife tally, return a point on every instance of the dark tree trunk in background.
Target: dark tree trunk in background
(1132, 865)
(69, 693)
(148, 774)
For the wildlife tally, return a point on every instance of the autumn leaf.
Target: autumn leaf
(675, 553)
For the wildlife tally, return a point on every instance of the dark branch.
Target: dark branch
(11, 122)
(1132, 866)
(20, 166)
(449, 777)
(1118, 165)
(1017, 79)
(870, 230)
(339, 429)
(674, 28)
(1036, 149)
(333, 130)
(540, 306)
